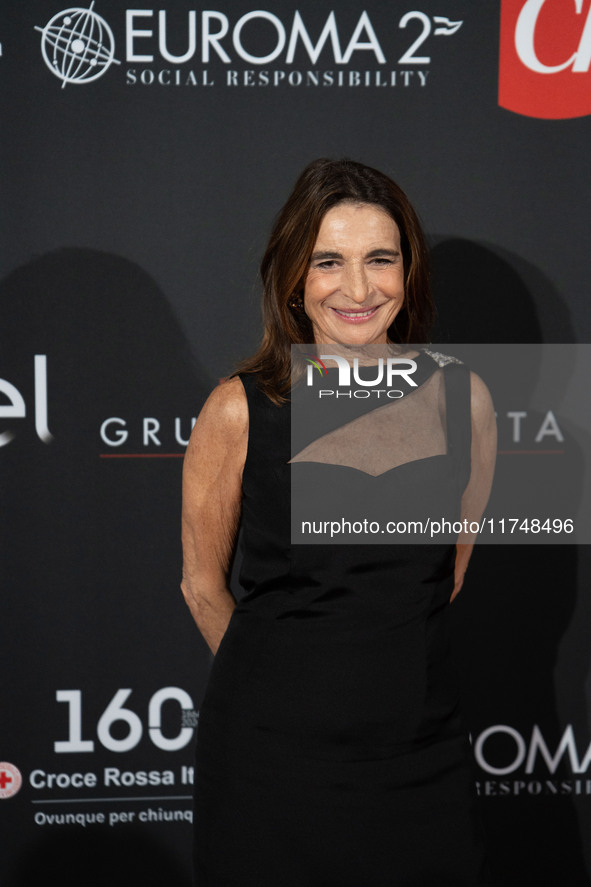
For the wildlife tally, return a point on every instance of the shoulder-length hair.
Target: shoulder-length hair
(323, 184)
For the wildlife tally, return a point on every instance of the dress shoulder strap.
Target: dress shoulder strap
(459, 419)
(257, 399)
(249, 382)
(269, 424)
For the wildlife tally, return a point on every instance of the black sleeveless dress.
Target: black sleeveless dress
(330, 748)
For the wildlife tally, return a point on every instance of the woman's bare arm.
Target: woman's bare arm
(212, 493)
(483, 456)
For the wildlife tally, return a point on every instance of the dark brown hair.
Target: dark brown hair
(323, 184)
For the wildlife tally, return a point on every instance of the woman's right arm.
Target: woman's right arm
(212, 493)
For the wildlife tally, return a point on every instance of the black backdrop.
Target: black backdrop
(135, 207)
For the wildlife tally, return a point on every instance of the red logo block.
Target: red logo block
(545, 58)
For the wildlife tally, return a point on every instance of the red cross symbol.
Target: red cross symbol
(5, 779)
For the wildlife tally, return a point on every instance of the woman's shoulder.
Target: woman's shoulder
(229, 395)
(226, 409)
(481, 403)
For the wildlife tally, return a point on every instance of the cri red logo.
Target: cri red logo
(10, 779)
(545, 57)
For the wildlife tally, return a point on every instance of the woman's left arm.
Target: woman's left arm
(483, 457)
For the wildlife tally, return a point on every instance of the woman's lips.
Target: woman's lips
(358, 316)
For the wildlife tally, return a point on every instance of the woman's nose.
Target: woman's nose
(356, 283)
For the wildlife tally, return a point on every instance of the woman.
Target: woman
(330, 747)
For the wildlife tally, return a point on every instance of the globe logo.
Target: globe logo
(77, 45)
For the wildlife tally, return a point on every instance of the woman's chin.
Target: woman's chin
(358, 336)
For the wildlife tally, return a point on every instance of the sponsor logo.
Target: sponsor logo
(529, 752)
(145, 432)
(77, 45)
(10, 779)
(513, 763)
(16, 407)
(545, 58)
(117, 713)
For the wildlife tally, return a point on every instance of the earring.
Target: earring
(295, 302)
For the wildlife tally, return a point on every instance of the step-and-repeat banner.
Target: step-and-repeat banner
(145, 153)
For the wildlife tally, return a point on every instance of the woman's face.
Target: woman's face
(355, 283)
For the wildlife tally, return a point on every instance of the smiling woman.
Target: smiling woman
(330, 747)
(328, 212)
(355, 286)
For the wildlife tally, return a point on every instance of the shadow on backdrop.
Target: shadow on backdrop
(91, 548)
(518, 602)
(487, 294)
